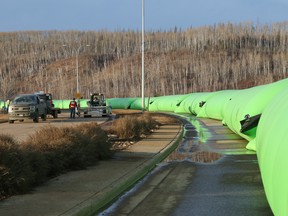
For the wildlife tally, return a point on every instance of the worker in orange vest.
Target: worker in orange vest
(72, 107)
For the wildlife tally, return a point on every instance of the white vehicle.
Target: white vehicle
(97, 106)
(27, 106)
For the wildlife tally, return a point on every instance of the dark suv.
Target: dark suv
(27, 106)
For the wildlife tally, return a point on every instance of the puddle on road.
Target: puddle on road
(199, 157)
(192, 149)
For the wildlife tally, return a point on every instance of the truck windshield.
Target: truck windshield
(24, 99)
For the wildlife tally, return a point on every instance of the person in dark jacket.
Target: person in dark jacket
(72, 107)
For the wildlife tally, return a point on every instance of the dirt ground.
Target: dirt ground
(3, 116)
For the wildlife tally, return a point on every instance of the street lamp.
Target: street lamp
(77, 50)
(143, 44)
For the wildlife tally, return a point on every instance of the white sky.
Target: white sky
(113, 15)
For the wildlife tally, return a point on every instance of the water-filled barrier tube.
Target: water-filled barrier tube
(64, 104)
(250, 102)
(120, 103)
(214, 104)
(190, 104)
(166, 103)
(272, 152)
(2, 104)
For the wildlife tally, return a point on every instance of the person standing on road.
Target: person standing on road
(6, 106)
(72, 107)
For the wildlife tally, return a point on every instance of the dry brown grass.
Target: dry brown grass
(164, 119)
(127, 118)
(161, 118)
(70, 147)
(133, 126)
(48, 153)
(14, 167)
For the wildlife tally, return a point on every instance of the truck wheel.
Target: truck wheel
(36, 118)
(11, 121)
(44, 117)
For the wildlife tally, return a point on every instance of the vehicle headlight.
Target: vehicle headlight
(32, 108)
(10, 108)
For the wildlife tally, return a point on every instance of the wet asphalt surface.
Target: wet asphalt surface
(231, 186)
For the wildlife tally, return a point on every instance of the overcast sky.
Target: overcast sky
(114, 15)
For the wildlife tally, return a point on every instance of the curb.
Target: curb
(96, 204)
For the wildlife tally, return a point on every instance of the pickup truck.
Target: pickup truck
(27, 106)
(51, 109)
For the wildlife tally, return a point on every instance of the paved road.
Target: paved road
(231, 186)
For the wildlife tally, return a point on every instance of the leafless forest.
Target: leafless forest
(211, 58)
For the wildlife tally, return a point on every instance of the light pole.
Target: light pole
(77, 50)
(143, 45)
